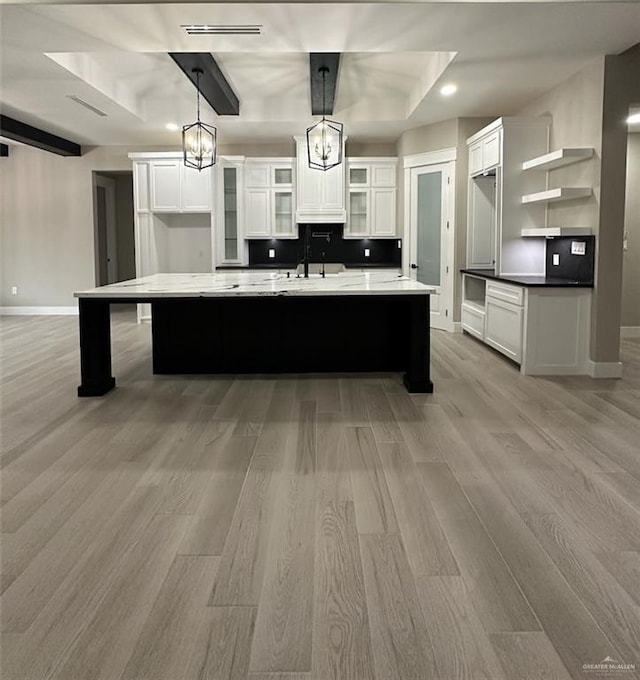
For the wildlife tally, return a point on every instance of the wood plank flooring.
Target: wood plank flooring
(314, 527)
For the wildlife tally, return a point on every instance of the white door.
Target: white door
(430, 251)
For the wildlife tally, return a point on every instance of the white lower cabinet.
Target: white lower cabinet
(544, 329)
(503, 330)
(473, 319)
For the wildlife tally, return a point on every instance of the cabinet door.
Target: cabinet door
(165, 186)
(475, 158)
(282, 175)
(257, 213)
(503, 328)
(491, 151)
(481, 227)
(383, 213)
(358, 175)
(257, 175)
(230, 244)
(283, 214)
(196, 189)
(383, 175)
(308, 183)
(358, 216)
(333, 181)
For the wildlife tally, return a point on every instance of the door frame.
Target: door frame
(424, 160)
(111, 236)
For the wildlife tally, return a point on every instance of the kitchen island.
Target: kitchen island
(260, 322)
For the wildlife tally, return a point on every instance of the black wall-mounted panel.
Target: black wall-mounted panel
(214, 87)
(326, 240)
(572, 267)
(4, 150)
(317, 60)
(33, 136)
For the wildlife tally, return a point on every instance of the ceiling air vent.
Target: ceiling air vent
(82, 102)
(222, 29)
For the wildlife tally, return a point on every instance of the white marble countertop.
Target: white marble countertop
(258, 284)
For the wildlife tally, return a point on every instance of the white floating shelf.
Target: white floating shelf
(558, 158)
(556, 231)
(559, 194)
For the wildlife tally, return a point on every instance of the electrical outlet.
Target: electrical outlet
(556, 259)
(14, 290)
(272, 252)
(578, 248)
(367, 252)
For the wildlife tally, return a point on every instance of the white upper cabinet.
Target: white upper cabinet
(197, 189)
(176, 188)
(257, 213)
(485, 154)
(320, 195)
(269, 198)
(496, 213)
(257, 174)
(371, 202)
(165, 186)
(383, 213)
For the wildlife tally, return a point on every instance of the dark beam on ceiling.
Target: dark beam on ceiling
(330, 60)
(214, 87)
(33, 136)
(4, 150)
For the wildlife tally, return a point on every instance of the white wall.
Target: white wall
(46, 223)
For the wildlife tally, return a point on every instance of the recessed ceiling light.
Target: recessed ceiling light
(633, 118)
(172, 126)
(448, 90)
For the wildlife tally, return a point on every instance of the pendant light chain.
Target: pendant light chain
(198, 94)
(325, 138)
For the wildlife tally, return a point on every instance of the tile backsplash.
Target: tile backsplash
(326, 240)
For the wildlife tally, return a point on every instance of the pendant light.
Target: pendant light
(324, 139)
(199, 140)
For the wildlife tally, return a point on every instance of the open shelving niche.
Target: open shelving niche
(551, 161)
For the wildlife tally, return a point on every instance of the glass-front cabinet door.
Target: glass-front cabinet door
(230, 225)
(358, 175)
(282, 176)
(283, 214)
(229, 215)
(358, 217)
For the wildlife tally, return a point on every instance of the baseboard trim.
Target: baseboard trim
(630, 331)
(38, 311)
(604, 369)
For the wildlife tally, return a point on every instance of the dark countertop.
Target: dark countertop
(529, 281)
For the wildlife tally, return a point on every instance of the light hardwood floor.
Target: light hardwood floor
(314, 527)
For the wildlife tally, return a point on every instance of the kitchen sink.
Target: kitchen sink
(316, 268)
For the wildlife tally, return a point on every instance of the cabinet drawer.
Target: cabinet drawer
(503, 328)
(473, 321)
(505, 292)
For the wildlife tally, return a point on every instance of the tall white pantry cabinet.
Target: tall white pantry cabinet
(174, 221)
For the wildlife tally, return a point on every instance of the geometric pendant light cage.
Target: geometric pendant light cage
(199, 140)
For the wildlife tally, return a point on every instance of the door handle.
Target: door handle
(414, 266)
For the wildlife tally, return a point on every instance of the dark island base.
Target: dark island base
(385, 333)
